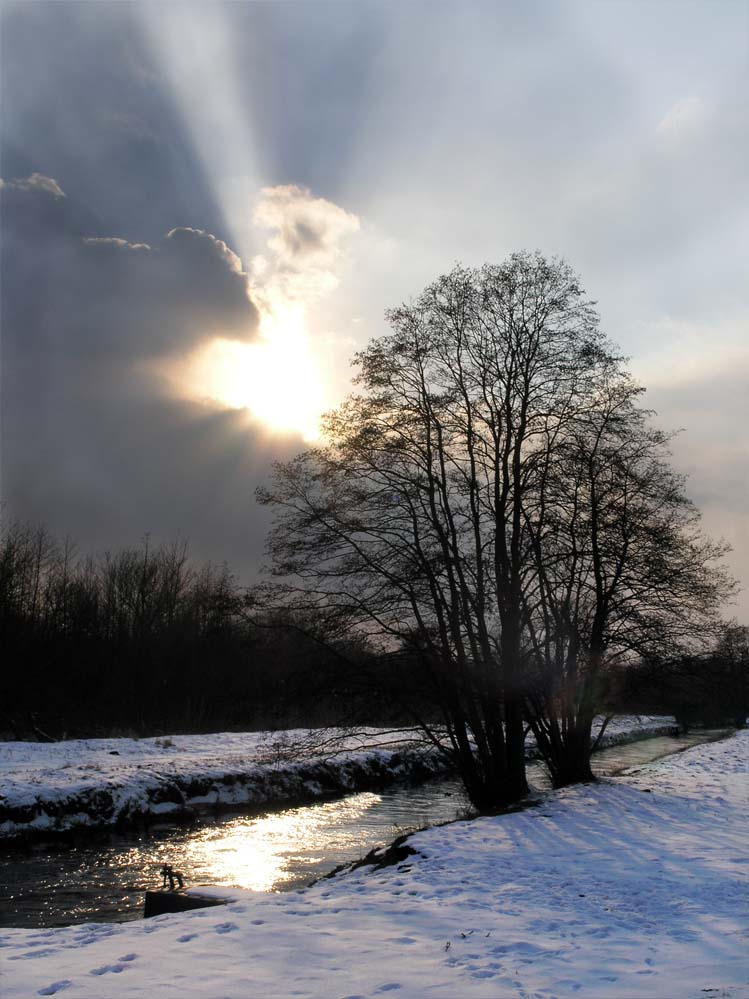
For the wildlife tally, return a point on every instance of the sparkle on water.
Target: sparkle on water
(264, 853)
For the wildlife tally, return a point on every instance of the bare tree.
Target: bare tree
(495, 510)
(410, 523)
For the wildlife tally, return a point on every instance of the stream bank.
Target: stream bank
(51, 791)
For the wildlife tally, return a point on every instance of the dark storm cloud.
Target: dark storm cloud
(101, 459)
(91, 445)
(86, 292)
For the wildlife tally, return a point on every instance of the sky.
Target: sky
(206, 209)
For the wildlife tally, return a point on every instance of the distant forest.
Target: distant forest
(143, 641)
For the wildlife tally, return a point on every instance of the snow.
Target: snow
(631, 887)
(63, 786)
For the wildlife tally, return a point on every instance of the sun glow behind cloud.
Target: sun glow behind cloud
(277, 378)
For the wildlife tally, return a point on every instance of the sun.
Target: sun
(277, 378)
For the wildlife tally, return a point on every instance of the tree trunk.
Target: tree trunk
(516, 782)
(570, 763)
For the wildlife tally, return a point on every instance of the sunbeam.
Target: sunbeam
(193, 47)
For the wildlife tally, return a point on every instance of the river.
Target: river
(104, 878)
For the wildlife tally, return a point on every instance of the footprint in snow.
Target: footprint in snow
(683, 936)
(528, 949)
(186, 937)
(258, 922)
(127, 957)
(225, 927)
(106, 969)
(388, 987)
(55, 987)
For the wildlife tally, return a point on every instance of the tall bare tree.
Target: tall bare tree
(410, 522)
(493, 507)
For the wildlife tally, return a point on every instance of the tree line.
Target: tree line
(142, 641)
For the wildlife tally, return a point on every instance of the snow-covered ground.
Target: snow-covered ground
(633, 887)
(61, 786)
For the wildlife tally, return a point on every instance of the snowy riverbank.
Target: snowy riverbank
(55, 788)
(633, 887)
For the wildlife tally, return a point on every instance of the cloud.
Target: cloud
(104, 436)
(713, 409)
(204, 247)
(99, 455)
(306, 245)
(35, 182)
(677, 352)
(114, 241)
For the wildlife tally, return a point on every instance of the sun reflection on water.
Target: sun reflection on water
(263, 853)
